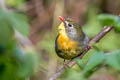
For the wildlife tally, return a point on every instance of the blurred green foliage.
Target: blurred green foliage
(15, 3)
(16, 62)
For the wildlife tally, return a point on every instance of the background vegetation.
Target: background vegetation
(36, 21)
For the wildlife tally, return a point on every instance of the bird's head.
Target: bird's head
(70, 28)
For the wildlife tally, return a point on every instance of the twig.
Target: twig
(96, 39)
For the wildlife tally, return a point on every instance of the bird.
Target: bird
(71, 40)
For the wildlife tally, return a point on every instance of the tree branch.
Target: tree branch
(96, 39)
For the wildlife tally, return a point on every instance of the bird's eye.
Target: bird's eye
(70, 25)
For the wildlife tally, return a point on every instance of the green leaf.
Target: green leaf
(8, 68)
(94, 61)
(14, 20)
(26, 68)
(93, 64)
(15, 3)
(110, 20)
(19, 22)
(117, 26)
(72, 75)
(6, 31)
(113, 59)
(107, 20)
(80, 62)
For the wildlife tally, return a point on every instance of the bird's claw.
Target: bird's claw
(88, 47)
(66, 64)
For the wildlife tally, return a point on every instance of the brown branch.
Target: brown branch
(96, 39)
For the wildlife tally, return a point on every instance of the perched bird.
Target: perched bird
(71, 40)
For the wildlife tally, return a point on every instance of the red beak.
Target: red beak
(61, 18)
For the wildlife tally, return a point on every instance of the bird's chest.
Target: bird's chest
(66, 45)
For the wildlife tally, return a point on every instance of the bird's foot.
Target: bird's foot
(66, 64)
(88, 47)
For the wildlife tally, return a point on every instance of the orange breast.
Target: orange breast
(66, 44)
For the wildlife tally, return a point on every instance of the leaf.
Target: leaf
(26, 68)
(19, 22)
(8, 67)
(93, 64)
(95, 60)
(15, 3)
(6, 31)
(117, 26)
(8, 22)
(80, 62)
(113, 59)
(72, 75)
(110, 20)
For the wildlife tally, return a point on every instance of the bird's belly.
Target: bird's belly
(70, 49)
(70, 53)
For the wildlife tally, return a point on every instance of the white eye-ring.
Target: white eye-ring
(70, 25)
